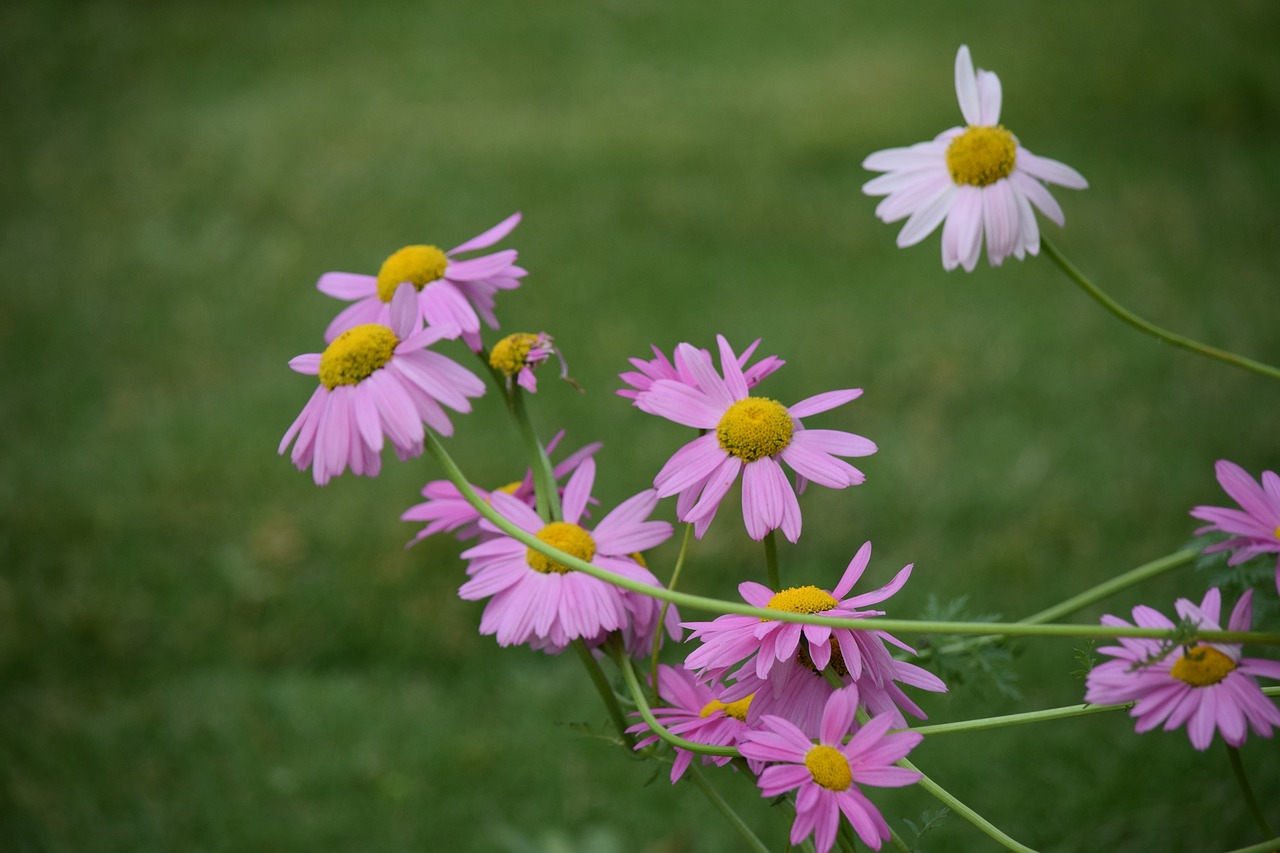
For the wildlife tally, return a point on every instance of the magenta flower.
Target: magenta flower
(516, 356)
(660, 367)
(695, 712)
(1255, 528)
(747, 435)
(376, 381)
(446, 510)
(534, 599)
(781, 662)
(826, 775)
(979, 178)
(1207, 686)
(452, 293)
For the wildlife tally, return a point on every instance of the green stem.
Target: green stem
(605, 690)
(725, 809)
(1077, 602)
(877, 623)
(1150, 328)
(544, 479)
(662, 614)
(771, 561)
(1269, 846)
(990, 829)
(637, 696)
(1237, 767)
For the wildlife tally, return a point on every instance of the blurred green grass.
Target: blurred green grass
(200, 650)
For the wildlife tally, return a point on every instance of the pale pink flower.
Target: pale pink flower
(452, 293)
(826, 775)
(446, 510)
(376, 381)
(661, 367)
(1255, 528)
(695, 712)
(978, 178)
(1206, 686)
(533, 599)
(749, 436)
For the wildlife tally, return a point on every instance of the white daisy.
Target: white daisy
(979, 178)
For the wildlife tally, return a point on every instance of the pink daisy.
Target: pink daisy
(660, 367)
(1207, 686)
(1255, 528)
(452, 293)
(781, 662)
(979, 178)
(747, 435)
(516, 356)
(826, 775)
(376, 381)
(695, 712)
(533, 599)
(446, 510)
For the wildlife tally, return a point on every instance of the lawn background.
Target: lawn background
(200, 650)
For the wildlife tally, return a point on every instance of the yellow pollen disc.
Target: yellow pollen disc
(355, 354)
(1277, 531)
(737, 710)
(509, 488)
(755, 427)
(508, 354)
(419, 265)
(639, 558)
(1202, 666)
(569, 538)
(829, 768)
(802, 599)
(982, 155)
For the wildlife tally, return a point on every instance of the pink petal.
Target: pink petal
(488, 238)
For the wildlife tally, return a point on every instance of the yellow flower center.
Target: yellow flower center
(755, 427)
(509, 488)
(836, 663)
(419, 265)
(508, 355)
(1202, 666)
(1277, 531)
(801, 599)
(982, 155)
(355, 354)
(737, 710)
(569, 538)
(828, 767)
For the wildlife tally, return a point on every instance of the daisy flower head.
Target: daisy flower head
(1255, 527)
(978, 178)
(661, 367)
(1205, 686)
(782, 662)
(516, 356)
(826, 775)
(445, 510)
(695, 712)
(452, 293)
(376, 381)
(750, 436)
(535, 599)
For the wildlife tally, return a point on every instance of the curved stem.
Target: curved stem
(948, 799)
(1251, 802)
(1150, 328)
(876, 623)
(637, 695)
(662, 614)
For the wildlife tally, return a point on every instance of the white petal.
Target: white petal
(967, 87)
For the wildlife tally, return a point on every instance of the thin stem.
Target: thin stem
(1150, 328)
(725, 809)
(876, 623)
(1077, 602)
(948, 799)
(771, 561)
(637, 695)
(1017, 719)
(1237, 767)
(544, 479)
(1269, 846)
(605, 690)
(662, 614)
